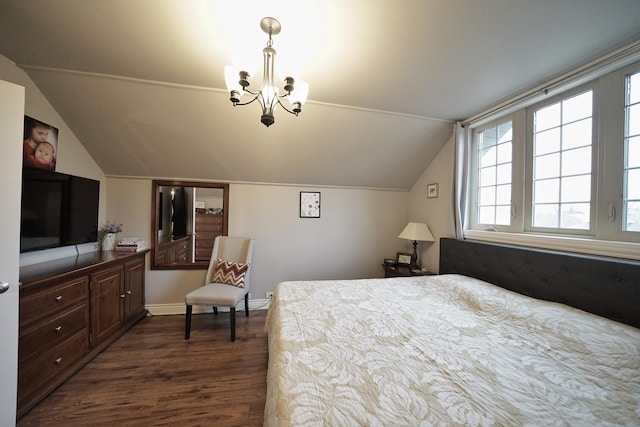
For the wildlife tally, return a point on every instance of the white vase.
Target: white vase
(109, 242)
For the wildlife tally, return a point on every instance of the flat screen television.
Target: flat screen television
(57, 210)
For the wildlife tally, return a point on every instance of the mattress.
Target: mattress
(443, 350)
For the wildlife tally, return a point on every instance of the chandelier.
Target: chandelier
(267, 96)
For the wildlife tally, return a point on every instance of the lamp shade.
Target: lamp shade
(231, 79)
(417, 231)
(300, 92)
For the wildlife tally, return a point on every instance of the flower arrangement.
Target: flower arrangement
(109, 227)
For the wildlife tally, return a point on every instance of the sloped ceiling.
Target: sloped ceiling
(141, 82)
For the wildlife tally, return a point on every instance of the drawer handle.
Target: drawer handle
(129, 292)
(59, 298)
(122, 295)
(58, 360)
(58, 328)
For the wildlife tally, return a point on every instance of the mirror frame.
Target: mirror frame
(155, 201)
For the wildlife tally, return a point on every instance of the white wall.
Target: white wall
(437, 213)
(357, 229)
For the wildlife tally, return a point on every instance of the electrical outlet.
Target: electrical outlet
(269, 295)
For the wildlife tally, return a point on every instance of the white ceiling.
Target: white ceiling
(141, 82)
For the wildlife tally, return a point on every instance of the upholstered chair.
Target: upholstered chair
(228, 280)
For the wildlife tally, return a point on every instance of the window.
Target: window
(494, 157)
(631, 198)
(561, 170)
(562, 163)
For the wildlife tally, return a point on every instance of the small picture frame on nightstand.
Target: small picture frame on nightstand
(403, 258)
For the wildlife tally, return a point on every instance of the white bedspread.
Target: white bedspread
(443, 350)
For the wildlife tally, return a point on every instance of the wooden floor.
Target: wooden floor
(152, 376)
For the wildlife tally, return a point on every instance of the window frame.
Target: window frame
(611, 135)
(475, 162)
(626, 139)
(517, 129)
(529, 160)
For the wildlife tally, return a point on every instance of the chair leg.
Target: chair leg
(232, 314)
(187, 322)
(215, 310)
(246, 304)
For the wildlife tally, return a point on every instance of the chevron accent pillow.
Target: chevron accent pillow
(230, 273)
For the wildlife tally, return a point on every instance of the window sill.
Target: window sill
(625, 250)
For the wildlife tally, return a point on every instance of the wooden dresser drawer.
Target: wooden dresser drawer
(59, 297)
(38, 372)
(182, 253)
(203, 254)
(208, 227)
(207, 239)
(208, 219)
(53, 332)
(204, 243)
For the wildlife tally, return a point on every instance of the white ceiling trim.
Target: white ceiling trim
(90, 74)
(385, 112)
(271, 184)
(95, 75)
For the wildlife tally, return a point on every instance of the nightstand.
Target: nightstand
(404, 271)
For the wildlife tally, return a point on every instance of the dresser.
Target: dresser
(173, 251)
(208, 227)
(70, 310)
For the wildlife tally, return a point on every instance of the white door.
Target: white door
(11, 122)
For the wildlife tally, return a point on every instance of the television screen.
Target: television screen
(83, 211)
(57, 210)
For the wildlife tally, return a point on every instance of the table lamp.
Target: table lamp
(416, 231)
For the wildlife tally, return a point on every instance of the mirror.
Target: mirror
(186, 217)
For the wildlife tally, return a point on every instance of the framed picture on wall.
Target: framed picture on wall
(39, 144)
(309, 204)
(432, 190)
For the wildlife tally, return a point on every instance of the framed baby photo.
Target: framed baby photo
(309, 204)
(39, 144)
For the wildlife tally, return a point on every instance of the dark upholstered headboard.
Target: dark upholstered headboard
(603, 286)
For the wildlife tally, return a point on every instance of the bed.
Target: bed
(455, 349)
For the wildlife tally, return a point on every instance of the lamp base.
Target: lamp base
(414, 258)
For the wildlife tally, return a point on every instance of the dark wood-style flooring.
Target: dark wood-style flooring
(152, 376)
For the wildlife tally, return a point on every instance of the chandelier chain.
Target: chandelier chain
(270, 41)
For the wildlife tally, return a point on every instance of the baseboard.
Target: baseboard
(172, 309)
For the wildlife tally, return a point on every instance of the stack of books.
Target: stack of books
(130, 244)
